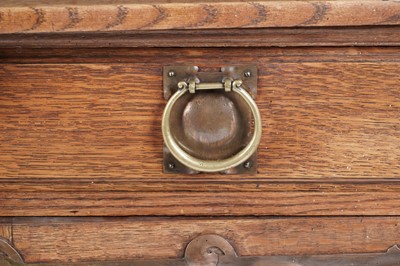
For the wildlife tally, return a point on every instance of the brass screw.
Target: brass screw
(247, 74)
(247, 165)
(171, 166)
(171, 73)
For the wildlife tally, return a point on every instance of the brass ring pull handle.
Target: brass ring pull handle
(211, 165)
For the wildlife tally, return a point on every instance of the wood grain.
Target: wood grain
(208, 200)
(61, 239)
(321, 120)
(260, 37)
(80, 128)
(80, 134)
(39, 16)
(6, 231)
(181, 56)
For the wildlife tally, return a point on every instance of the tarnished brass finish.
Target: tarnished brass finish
(220, 164)
(9, 252)
(216, 127)
(207, 250)
(186, 73)
(214, 250)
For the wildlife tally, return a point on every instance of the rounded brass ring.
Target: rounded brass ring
(212, 165)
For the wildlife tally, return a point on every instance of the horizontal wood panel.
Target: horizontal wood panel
(62, 239)
(261, 37)
(190, 197)
(216, 56)
(312, 201)
(80, 134)
(321, 120)
(40, 16)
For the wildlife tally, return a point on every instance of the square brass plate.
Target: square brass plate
(172, 75)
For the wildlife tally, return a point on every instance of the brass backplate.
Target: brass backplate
(210, 125)
(172, 75)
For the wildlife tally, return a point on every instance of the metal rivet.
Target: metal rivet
(247, 74)
(171, 74)
(171, 166)
(247, 164)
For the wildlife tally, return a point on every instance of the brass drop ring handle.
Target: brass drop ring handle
(211, 165)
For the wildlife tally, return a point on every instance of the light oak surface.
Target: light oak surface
(69, 16)
(321, 119)
(6, 230)
(83, 138)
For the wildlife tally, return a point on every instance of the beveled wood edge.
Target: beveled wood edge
(262, 37)
(86, 17)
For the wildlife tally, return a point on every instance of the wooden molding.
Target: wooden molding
(24, 16)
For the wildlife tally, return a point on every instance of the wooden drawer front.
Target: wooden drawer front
(88, 121)
(324, 116)
(79, 239)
